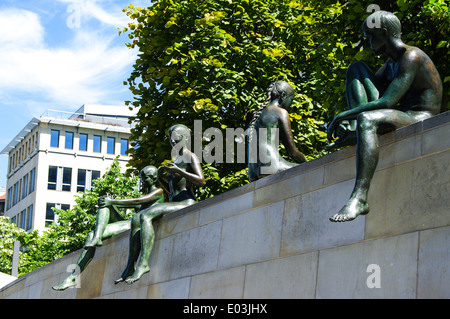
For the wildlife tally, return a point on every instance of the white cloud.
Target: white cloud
(19, 28)
(87, 70)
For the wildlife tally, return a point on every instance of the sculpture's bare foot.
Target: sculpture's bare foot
(138, 274)
(92, 243)
(348, 140)
(70, 281)
(351, 210)
(129, 270)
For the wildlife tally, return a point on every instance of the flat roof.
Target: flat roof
(19, 137)
(93, 116)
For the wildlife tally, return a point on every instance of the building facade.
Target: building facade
(56, 156)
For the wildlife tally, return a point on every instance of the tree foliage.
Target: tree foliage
(213, 59)
(9, 233)
(69, 232)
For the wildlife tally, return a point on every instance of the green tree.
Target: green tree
(213, 59)
(9, 233)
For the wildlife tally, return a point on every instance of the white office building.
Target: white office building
(59, 154)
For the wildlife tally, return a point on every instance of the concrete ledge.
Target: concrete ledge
(272, 238)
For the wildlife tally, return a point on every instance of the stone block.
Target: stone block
(355, 270)
(436, 139)
(91, 280)
(222, 284)
(434, 264)
(291, 277)
(251, 236)
(399, 151)
(34, 290)
(306, 224)
(174, 289)
(339, 171)
(290, 187)
(195, 251)
(176, 225)
(226, 208)
(423, 201)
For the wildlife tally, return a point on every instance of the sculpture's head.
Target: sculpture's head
(380, 27)
(148, 176)
(179, 133)
(282, 91)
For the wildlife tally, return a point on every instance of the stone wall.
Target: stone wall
(272, 238)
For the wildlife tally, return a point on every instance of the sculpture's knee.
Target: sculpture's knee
(357, 69)
(366, 121)
(145, 218)
(135, 220)
(89, 236)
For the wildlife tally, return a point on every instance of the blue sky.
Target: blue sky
(60, 54)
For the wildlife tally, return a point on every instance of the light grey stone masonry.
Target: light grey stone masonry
(272, 238)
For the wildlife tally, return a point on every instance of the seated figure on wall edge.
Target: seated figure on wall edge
(177, 179)
(109, 222)
(405, 90)
(269, 124)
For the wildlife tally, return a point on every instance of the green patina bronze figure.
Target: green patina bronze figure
(405, 90)
(109, 221)
(177, 179)
(270, 124)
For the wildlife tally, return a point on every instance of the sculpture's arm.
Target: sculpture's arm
(130, 202)
(287, 138)
(408, 68)
(196, 177)
(161, 179)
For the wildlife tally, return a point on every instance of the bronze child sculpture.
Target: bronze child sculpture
(110, 222)
(263, 156)
(407, 89)
(177, 179)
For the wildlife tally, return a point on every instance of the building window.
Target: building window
(67, 179)
(25, 186)
(85, 179)
(22, 219)
(29, 217)
(59, 178)
(54, 138)
(52, 177)
(123, 146)
(50, 215)
(110, 145)
(83, 142)
(97, 144)
(32, 180)
(16, 193)
(9, 198)
(69, 141)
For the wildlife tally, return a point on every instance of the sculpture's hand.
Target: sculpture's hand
(104, 201)
(336, 128)
(172, 168)
(331, 129)
(160, 172)
(343, 129)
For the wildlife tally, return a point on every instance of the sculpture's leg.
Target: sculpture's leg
(368, 124)
(361, 87)
(134, 247)
(148, 234)
(84, 259)
(87, 254)
(105, 216)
